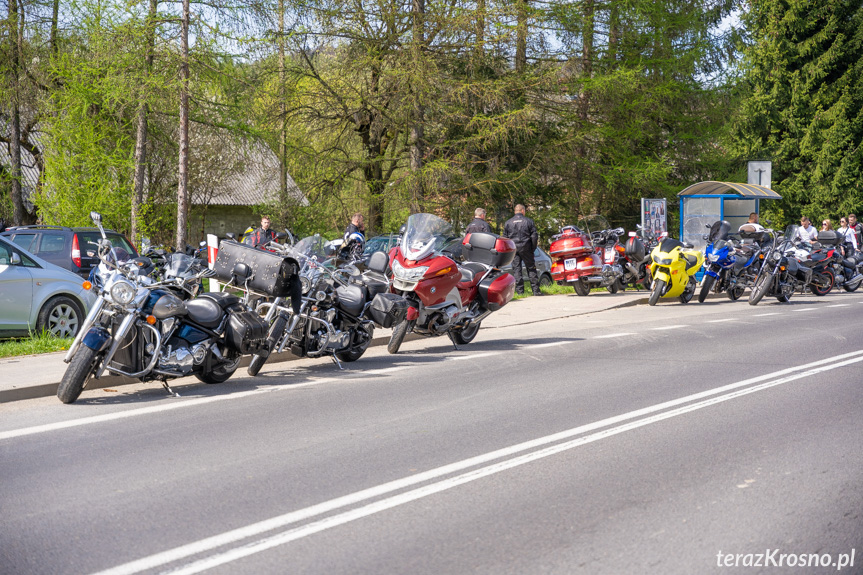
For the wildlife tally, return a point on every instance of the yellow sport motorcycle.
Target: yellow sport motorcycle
(673, 265)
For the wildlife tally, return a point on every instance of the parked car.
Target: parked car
(452, 248)
(37, 295)
(382, 243)
(72, 249)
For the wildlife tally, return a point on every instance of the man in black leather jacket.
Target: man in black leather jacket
(521, 230)
(478, 224)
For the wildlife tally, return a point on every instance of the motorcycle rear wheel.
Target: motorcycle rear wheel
(218, 375)
(658, 288)
(276, 332)
(706, 286)
(735, 293)
(356, 352)
(822, 290)
(581, 288)
(467, 334)
(77, 374)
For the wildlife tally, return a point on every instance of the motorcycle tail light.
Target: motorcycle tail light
(412, 314)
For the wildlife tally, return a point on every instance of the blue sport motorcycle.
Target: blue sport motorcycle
(719, 260)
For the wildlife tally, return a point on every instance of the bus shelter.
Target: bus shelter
(703, 203)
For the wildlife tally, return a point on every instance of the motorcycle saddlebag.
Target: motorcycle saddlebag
(387, 309)
(496, 290)
(489, 249)
(635, 249)
(246, 331)
(272, 272)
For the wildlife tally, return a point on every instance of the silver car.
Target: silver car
(36, 295)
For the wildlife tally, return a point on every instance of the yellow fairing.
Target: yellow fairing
(683, 264)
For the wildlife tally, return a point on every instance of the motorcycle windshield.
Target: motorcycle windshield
(422, 236)
(592, 223)
(311, 247)
(719, 231)
(179, 266)
(789, 237)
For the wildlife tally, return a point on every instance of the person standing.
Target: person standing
(521, 230)
(848, 233)
(263, 235)
(753, 221)
(478, 224)
(354, 238)
(857, 227)
(806, 232)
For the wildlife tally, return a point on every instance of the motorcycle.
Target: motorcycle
(719, 259)
(141, 328)
(781, 273)
(673, 267)
(845, 261)
(587, 259)
(636, 258)
(443, 297)
(338, 310)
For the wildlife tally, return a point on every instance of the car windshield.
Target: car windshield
(424, 234)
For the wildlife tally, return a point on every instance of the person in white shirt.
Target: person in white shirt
(753, 222)
(848, 232)
(806, 232)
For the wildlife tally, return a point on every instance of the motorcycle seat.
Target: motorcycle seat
(224, 300)
(471, 273)
(205, 311)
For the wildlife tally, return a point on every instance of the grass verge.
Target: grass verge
(37, 343)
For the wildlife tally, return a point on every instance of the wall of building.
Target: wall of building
(220, 220)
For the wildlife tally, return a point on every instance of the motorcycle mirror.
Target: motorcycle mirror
(96, 217)
(231, 236)
(281, 235)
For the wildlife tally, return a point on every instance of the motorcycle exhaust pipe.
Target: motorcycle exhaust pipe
(631, 269)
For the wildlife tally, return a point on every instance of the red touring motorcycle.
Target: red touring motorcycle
(586, 260)
(443, 297)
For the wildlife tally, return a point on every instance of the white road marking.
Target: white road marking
(552, 344)
(805, 309)
(839, 305)
(474, 355)
(612, 335)
(668, 327)
(648, 416)
(722, 320)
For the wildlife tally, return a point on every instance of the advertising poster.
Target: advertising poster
(654, 216)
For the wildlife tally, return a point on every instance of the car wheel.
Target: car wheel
(545, 280)
(61, 317)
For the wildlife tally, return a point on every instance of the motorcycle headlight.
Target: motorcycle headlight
(775, 256)
(408, 274)
(713, 258)
(306, 284)
(123, 292)
(662, 261)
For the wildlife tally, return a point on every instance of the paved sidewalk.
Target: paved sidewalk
(28, 377)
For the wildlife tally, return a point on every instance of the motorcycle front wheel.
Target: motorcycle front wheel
(658, 288)
(760, 289)
(706, 286)
(276, 331)
(77, 374)
(398, 336)
(356, 352)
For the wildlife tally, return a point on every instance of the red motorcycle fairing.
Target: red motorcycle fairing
(438, 281)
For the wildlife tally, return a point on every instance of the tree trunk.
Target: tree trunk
(416, 133)
(283, 111)
(183, 172)
(141, 136)
(19, 214)
(584, 99)
(521, 7)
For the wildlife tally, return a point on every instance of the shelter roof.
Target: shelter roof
(749, 191)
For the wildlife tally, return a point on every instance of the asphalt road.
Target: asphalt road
(672, 439)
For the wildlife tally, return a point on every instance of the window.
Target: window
(24, 240)
(5, 256)
(89, 243)
(52, 243)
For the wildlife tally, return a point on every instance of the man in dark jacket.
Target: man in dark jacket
(354, 239)
(478, 224)
(263, 235)
(521, 230)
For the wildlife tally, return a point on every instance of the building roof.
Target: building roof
(749, 191)
(29, 169)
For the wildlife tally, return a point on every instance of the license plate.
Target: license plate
(569, 264)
